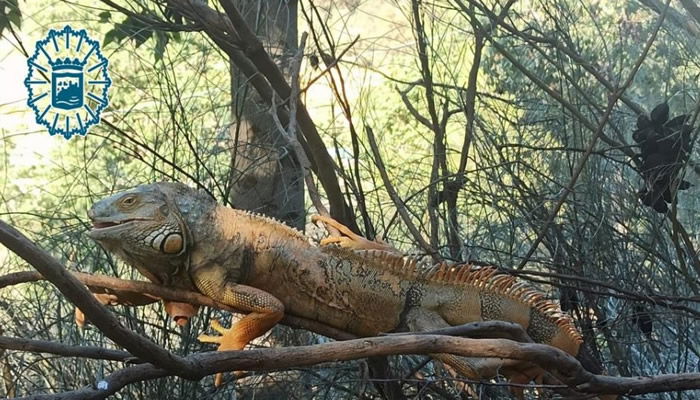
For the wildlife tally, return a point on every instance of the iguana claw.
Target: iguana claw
(228, 340)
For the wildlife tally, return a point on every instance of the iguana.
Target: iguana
(179, 236)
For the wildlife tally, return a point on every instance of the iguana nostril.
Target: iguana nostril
(91, 213)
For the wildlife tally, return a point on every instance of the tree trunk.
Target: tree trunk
(266, 176)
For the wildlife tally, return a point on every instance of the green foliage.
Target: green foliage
(138, 31)
(10, 15)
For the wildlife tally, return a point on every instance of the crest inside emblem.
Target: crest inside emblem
(67, 84)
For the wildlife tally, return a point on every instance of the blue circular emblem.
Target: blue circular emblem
(67, 82)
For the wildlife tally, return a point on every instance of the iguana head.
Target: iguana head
(144, 227)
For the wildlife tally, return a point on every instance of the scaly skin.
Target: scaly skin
(177, 236)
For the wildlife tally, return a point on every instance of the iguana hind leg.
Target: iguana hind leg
(420, 320)
(348, 238)
(476, 368)
(264, 309)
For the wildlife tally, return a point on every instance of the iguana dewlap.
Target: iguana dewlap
(178, 236)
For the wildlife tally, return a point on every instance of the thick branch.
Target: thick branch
(140, 293)
(286, 358)
(276, 359)
(485, 329)
(78, 294)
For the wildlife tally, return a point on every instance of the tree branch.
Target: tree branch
(613, 98)
(272, 359)
(140, 293)
(43, 346)
(400, 206)
(693, 9)
(325, 168)
(550, 358)
(76, 292)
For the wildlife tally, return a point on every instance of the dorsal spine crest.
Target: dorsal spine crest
(273, 223)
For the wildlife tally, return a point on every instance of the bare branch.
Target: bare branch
(291, 135)
(272, 359)
(81, 297)
(253, 49)
(43, 346)
(400, 206)
(132, 292)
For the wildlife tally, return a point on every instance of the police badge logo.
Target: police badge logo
(67, 82)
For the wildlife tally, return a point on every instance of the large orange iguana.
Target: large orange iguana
(180, 237)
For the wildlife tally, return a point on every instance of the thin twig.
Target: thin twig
(318, 153)
(43, 346)
(291, 130)
(400, 206)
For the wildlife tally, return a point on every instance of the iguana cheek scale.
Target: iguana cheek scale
(180, 237)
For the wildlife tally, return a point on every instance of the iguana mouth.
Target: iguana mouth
(109, 224)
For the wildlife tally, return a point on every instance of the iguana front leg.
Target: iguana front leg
(265, 309)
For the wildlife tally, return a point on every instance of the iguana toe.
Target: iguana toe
(349, 239)
(216, 325)
(228, 340)
(339, 240)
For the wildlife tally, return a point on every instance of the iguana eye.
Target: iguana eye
(128, 201)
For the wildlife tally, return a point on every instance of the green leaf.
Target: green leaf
(136, 30)
(161, 41)
(115, 35)
(15, 17)
(105, 16)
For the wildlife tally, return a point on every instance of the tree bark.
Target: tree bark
(266, 176)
